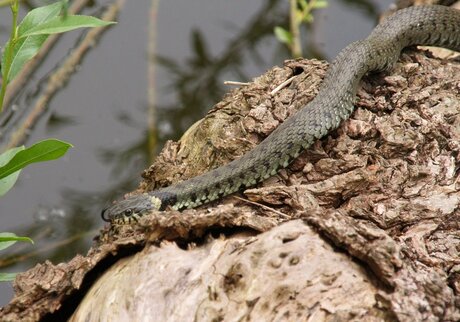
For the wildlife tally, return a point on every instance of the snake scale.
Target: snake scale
(422, 25)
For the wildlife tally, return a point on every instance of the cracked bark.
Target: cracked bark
(362, 226)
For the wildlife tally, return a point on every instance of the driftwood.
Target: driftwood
(361, 227)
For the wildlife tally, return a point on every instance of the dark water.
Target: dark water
(102, 110)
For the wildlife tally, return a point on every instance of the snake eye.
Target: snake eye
(128, 212)
(104, 216)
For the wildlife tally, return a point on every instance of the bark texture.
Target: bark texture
(361, 227)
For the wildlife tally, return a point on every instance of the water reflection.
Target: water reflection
(369, 8)
(198, 81)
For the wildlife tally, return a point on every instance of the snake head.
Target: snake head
(131, 209)
(135, 206)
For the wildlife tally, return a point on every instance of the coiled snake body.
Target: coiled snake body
(423, 25)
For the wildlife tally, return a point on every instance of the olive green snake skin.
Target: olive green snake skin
(423, 25)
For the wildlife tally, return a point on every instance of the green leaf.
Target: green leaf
(26, 47)
(320, 4)
(307, 18)
(7, 277)
(302, 4)
(39, 16)
(6, 240)
(302, 16)
(8, 182)
(59, 24)
(9, 239)
(46, 150)
(283, 35)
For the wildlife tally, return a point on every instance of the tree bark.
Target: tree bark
(361, 227)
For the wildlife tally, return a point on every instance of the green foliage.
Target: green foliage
(59, 24)
(7, 277)
(46, 150)
(27, 38)
(300, 12)
(6, 183)
(305, 8)
(11, 163)
(7, 240)
(283, 35)
(25, 48)
(25, 41)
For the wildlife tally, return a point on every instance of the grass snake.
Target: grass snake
(422, 25)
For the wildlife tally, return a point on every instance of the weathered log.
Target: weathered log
(361, 227)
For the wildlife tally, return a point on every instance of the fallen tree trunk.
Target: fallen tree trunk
(362, 226)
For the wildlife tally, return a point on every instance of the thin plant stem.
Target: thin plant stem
(296, 48)
(10, 50)
(299, 11)
(152, 136)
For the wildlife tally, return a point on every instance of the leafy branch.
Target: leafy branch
(25, 41)
(300, 11)
(27, 37)
(7, 240)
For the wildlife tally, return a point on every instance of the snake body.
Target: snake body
(422, 25)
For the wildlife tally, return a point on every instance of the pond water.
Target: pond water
(103, 108)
